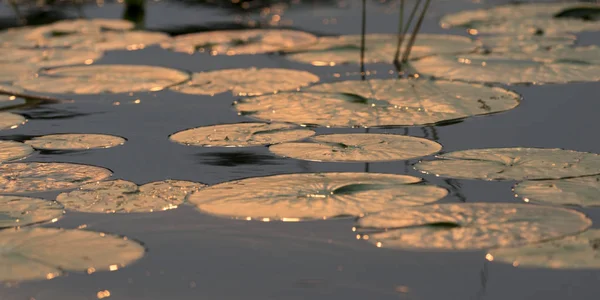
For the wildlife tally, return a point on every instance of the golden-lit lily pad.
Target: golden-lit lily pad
(241, 135)
(120, 196)
(246, 82)
(236, 42)
(45, 253)
(125, 40)
(296, 197)
(513, 164)
(580, 251)
(358, 147)
(41, 177)
(525, 43)
(583, 191)
(379, 102)
(469, 226)
(10, 72)
(10, 150)
(75, 141)
(99, 79)
(10, 120)
(48, 57)
(7, 101)
(380, 48)
(17, 211)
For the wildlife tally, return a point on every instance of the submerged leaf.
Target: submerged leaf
(75, 141)
(10, 150)
(297, 197)
(10, 120)
(241, 135)
(358, 147)
(469, 226)
(45, 253)
(17, 211)
(583, 191)
(513, 164)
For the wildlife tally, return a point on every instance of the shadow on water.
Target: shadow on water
(237, 158)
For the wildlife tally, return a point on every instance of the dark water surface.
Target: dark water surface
(197, 256)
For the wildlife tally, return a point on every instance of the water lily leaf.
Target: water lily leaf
(124, 40)
(104, 79)
(10, 72)
(68, 33)
(10, 120)
(380, 48)
(296, 197)
(10, 150)
(8, 101)
(379, 102)
(469, 226)
(41, 177)
(236, 42)
(16, 211)
(241, 135)
(581, 191)
(45, 253)
(358, 147)
(75, 141)
(246, 82)
(120, 196)
(513, 164)
(525, 43)
(573, 252)
(48, 57)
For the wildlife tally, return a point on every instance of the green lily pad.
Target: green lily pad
(379, 102)
(10, 120)
(10, 150)
(525, 43)
(41, 177)
(45, 253)
(380, 48)
(99, 79)
(236, 42)
(75, 141)
(470, 226)
(358, 147)
(16, 211)
(311, 196)
(48, 57)
(246, 82)
(573, 252)
(120, 196)
(583, 191)
(513, 164)
(241, 135)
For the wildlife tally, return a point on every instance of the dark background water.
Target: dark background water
(197, 256)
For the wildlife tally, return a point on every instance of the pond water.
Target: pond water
(198, 256)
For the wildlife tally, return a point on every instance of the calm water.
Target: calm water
(197, 256)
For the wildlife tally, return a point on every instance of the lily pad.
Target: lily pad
(69, 33)
(583, 191)
(572, 252)
(310, 196)
(241, 135)
(379, 102)
(358, 147)
(525, 43)
(120, 196)
(8, 101)
(45, 253)
(513, 164)
(380, 48)
(104, 79)
(236, 42)
(10, 72)
(48, 57)
(470, 226)
(75, 141)
(10, 120)
(246, 82)
(10, 150)
(16, 211)
(125, 40)
(41, 177)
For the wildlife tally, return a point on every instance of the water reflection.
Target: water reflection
(47, 113)
(237, 158)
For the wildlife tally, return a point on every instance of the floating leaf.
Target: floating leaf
(296, 197)
(126, 40)
(241, 135)
(469, 226)
(45, 253)
(236, 42)
(75, 141)
(572, 252)
(41, 177)
(104, 79)
(583, 191)
(10, 150)
(10, 120)
(16, 211)
(380, 48)
(48, 57)
(246, 82)
(379, 102)
(10, 72)
(513, 164)
(358, 147)
(525, 43)
(8, 101)
(120, 196)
